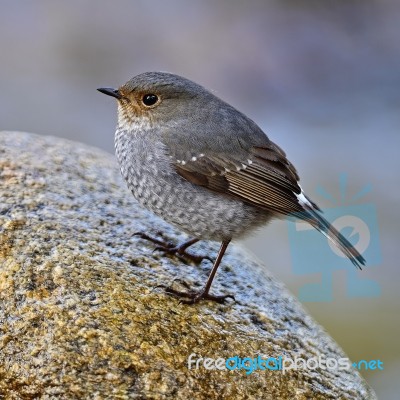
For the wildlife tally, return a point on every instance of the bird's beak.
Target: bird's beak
(111, 92)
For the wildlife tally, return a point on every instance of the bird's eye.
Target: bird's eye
(149, 99)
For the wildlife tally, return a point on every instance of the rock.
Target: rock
(82, 313)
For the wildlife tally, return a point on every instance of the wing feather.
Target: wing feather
(263, 177)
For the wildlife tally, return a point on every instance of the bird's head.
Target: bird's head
(157, 97)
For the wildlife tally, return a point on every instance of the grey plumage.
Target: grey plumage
(203, 166)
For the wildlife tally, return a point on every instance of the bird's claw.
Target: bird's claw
(170, 249)
(183, 254)
(193, 297)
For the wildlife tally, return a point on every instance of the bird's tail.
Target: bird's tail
(312, 216)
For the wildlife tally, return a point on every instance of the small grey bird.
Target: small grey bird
(205, 167)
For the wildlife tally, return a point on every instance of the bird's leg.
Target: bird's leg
(178, 250)
(192, 297)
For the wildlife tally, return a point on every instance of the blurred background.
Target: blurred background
(322, 78)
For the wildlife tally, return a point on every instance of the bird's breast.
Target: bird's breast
(148, 171)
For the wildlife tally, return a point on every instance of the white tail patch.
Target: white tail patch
(303, 200)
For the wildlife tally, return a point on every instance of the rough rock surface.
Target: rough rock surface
(81, 313)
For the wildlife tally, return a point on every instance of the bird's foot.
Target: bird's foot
(177, 250)
(192, 297)
(180, 252)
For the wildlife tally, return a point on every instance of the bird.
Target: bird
(205, 167)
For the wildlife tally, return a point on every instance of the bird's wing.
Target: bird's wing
(259, 175)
